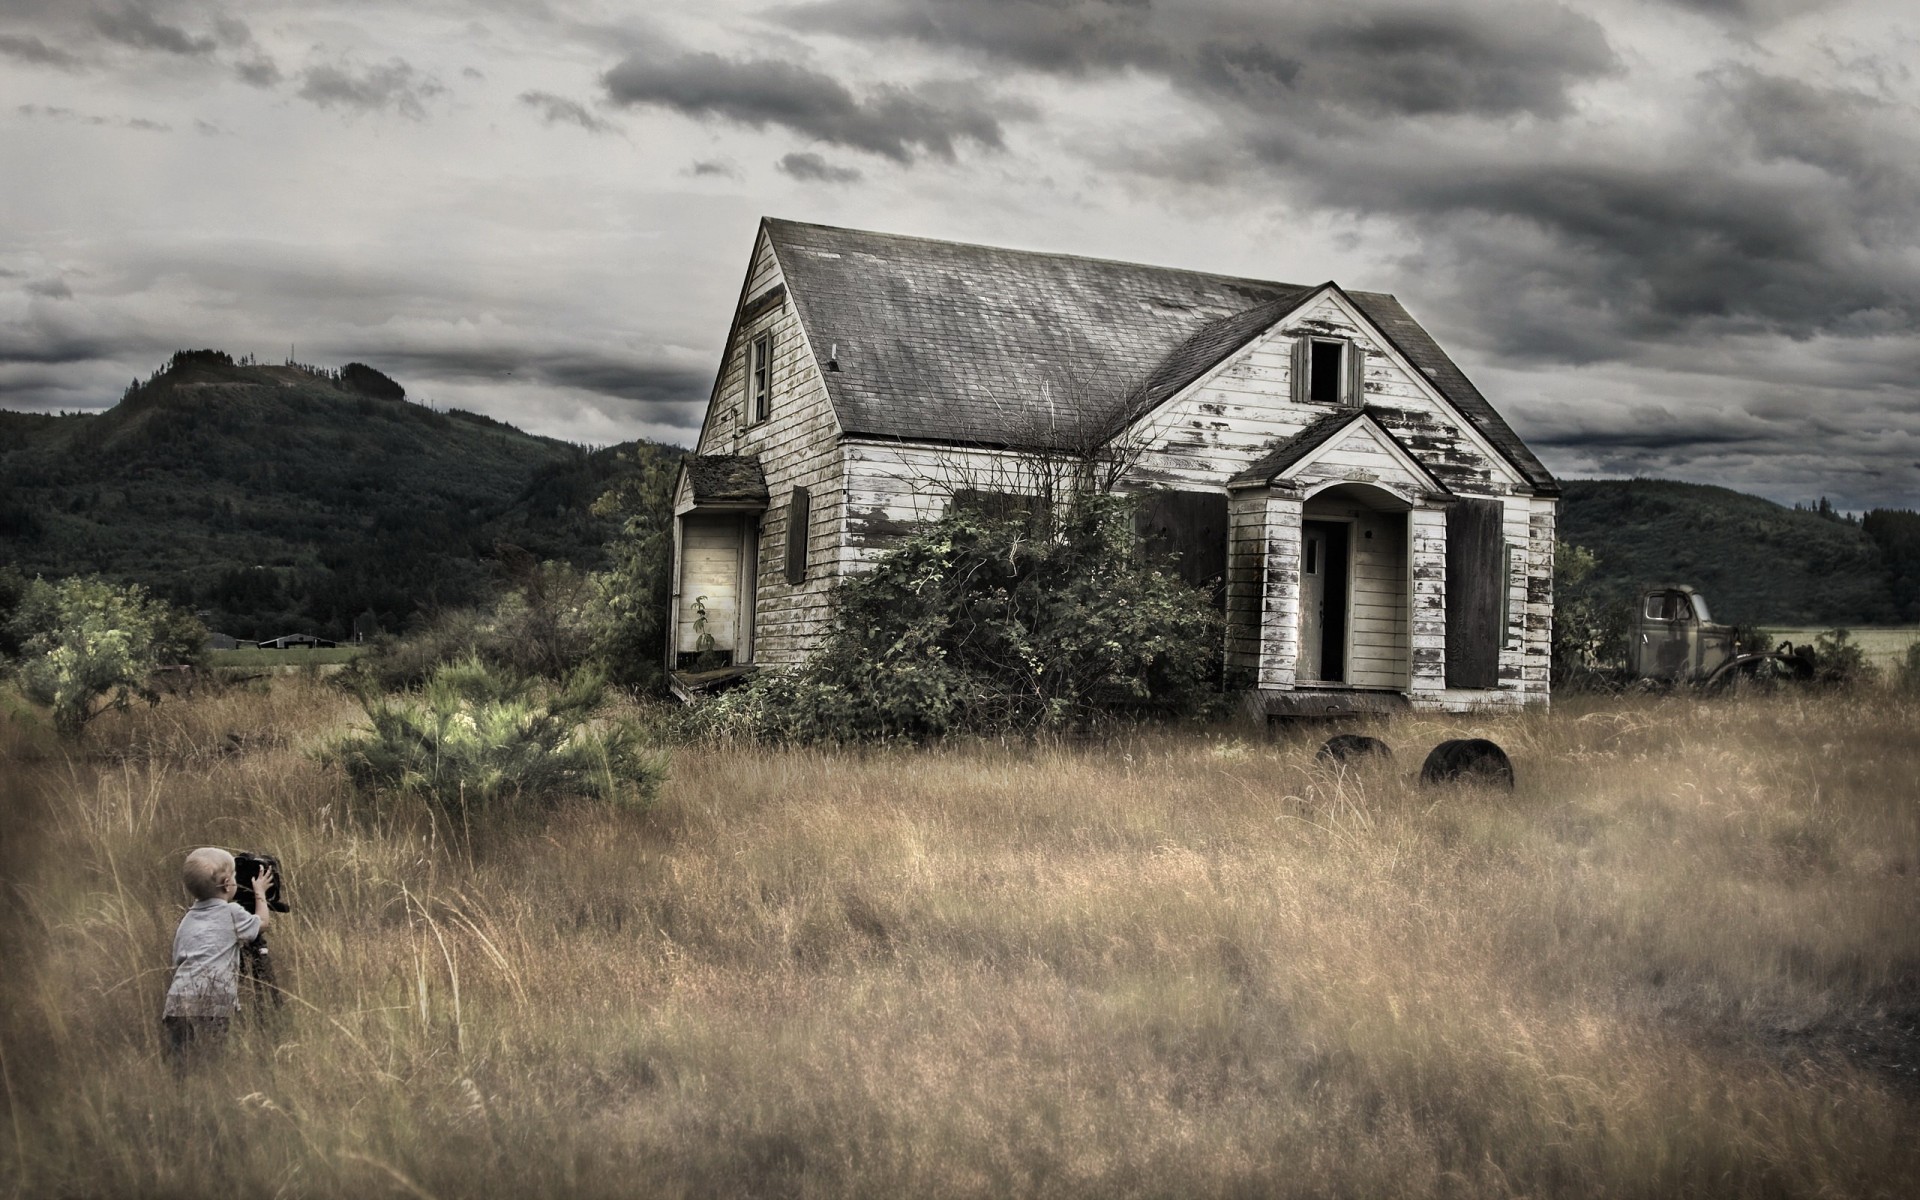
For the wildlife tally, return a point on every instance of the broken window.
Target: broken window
(1329, 371)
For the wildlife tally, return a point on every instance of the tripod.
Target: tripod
(256, 963)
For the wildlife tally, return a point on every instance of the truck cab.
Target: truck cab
(1673, 637)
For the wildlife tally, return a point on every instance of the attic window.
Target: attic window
(760, 377)
(1330, 371)
(1323, 373)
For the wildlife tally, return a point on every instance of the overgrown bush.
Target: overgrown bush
(476, 737)
(87, 646)
(630, 596)
(984, 623)
(1589, 624)
(1839, 661)
(545, 624)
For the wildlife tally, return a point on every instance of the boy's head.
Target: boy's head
(207, 872)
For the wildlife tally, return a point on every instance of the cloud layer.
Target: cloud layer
(1669, 236)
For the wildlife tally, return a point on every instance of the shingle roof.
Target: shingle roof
(723, 478)
(950, 342)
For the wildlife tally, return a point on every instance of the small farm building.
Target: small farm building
(1376, 534)
(297, 641)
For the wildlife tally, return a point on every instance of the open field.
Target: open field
(317, 656)
(1682, 958)
(1885, 646)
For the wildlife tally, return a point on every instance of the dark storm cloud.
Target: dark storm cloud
(261, 72)
(890, 121)
(666, 393)
(33, 50)
(138, 28)
(558, 110)
(811, 168)
(1300, 61)
(1749, 12)
(52, 289)
(394, 86)
(56, 113)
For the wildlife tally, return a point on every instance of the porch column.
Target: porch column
(1427, 601)
(1280, 606)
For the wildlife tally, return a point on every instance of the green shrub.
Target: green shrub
(1838, 660)
(1589, 624)
(630, 595)
(88, 646)
(984, 623)
(475, 737)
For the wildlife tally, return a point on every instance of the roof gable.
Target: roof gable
(953, 343)
(1303, 451)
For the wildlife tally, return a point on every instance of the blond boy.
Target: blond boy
(206, 951)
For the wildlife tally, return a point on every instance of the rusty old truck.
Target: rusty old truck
(1673, 639)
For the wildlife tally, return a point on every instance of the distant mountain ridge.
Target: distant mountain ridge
(290, 497)
(284, 498)
(1757, 562)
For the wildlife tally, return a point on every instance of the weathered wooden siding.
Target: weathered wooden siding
(1279, 525)
(1231, 416)
(890, 487)
(1246, 584)
(798, 446)
(1427, 534)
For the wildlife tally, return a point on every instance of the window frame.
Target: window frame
(1349, 387)
(759, 404)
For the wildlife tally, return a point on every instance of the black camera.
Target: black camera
(247, 866)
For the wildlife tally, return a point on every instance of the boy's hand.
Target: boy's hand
(261, 883)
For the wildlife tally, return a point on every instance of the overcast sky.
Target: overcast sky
(1666, 237)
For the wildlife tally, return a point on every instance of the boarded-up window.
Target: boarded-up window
(1476, 593)
(1193, 527)
(1001, 505)
(799, 509)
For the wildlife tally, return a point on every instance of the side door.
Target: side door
(1313, 602)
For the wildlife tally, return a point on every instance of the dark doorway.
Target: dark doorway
(1323, 602)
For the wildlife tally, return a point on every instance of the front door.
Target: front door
(1323, 603)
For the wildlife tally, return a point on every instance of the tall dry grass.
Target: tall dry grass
(1681, 958)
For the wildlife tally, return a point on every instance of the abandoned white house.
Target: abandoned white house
(1377, 535)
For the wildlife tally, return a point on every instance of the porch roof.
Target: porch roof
(1290, 452)
(730, 479)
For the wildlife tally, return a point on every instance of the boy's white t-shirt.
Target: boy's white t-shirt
(206, 959)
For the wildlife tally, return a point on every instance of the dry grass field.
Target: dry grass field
(1681, 958)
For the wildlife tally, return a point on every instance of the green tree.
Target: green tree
(1589, 622)
(87, 646)
(476, 737)
(631, 593)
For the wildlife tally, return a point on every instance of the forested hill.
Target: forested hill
(288, 498)
(1755, 561)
